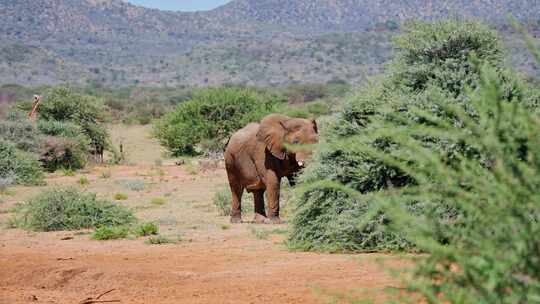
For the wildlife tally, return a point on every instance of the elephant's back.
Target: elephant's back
(243, 139)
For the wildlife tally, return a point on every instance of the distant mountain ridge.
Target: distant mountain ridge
(260, 42)
(365, 14)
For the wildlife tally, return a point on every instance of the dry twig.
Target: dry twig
(97, 300)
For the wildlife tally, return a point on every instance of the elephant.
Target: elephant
(258, 156)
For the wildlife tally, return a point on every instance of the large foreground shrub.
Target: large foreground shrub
(69, 209)
(492, 252)
(210, 117)
(433, 65)
(19, 166)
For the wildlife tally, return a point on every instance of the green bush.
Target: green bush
(146, 229)
(69, 127)
(212, 114)
(69, 209)
(158, 201)
(58, 144)
(22, 167)
(434, 63)
(84, 181)
(64, 105)
(110, 233)
(22, 133)
(491, 251)
(68, 172)
(60, 128)
(161, 240)
(63, 153)
(437, 54)
(120, 197)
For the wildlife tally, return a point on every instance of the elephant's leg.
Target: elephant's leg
(236, 206)
(260, 213)
(273, 188)
(236, 190)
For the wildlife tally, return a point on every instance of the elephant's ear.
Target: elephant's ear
(272, 131)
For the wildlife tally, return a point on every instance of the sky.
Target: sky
(180, 5)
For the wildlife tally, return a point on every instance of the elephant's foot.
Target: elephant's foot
(259, 219)
(236, 219)
(274, 220)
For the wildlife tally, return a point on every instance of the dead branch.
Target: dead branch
(97, 299)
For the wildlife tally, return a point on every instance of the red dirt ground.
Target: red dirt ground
(233, 270)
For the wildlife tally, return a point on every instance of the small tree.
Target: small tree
(212, 115)
(64, 105)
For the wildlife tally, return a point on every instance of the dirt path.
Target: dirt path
(234, 269)
(213, 263)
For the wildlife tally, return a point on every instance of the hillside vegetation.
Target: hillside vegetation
(250, 42)
(68, 131)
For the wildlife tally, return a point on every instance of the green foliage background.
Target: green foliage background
(210, 117)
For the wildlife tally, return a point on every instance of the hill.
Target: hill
(254, 42)
(354, 15)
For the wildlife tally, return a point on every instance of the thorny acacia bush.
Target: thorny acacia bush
(21, 132)
(18, 166)
(492, 252)
(69, 126)
(432, 65)
(64, 105)
(56, 144)
(69, 209)
(63, 153)
(65, 145)
(110, 233)
(212, 114)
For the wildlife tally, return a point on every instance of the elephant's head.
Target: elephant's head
(276, 131)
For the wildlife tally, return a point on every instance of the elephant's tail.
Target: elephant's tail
(226, 143)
